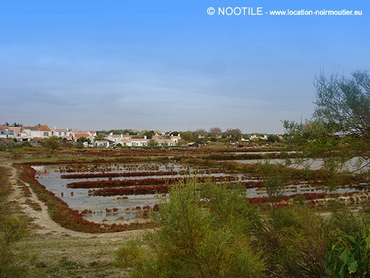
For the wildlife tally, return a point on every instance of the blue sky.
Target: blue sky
(168, 65)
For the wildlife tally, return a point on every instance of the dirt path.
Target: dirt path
(41, 219)
(60, 252)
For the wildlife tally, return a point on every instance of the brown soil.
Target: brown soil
(59, 251)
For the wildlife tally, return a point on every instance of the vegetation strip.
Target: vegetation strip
(124, 174)
(147, 181)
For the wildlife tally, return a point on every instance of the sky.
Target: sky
(173, 65)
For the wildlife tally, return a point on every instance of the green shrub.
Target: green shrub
(52, 143)
(11, 231)
(349, 255)
(294, 241)
(202, 233)
(79, 145)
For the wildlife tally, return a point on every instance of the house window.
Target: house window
(46, 133)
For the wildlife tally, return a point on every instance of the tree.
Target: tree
(148, 133)
(130, 131)
(343, 107)
(340, 127)
(274, 180)
(273, 138)
(215, 131)
(99, 136)
(84, 139)
(79, 145)
(188, 136)
(201, 132)
(181, 142)
(344, 102)
(152, 143)
(52, 143)
(234, 133)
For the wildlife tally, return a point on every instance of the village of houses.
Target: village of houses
(90, 138)
(40, 132)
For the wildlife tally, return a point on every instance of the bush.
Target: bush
(52, 143)
(349, 255)
(294, 241)
(11, 231)
(79, 145)
(203, 233)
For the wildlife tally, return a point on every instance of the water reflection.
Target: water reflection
(355, 164)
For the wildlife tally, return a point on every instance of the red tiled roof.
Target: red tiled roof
(44, 128)
(38, 127)
(31, 127)
(80, 135)
(16, 129)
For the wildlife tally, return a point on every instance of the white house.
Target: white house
(63, 133)
(117, 138)
(88, 134)
(254, 137)
(164, 139)
(175, 138)
(10, 132)
(102, 143)
(39, 131)
(134, 142)
(165, 142)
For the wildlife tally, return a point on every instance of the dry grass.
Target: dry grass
(64, 256)
(52, 253)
